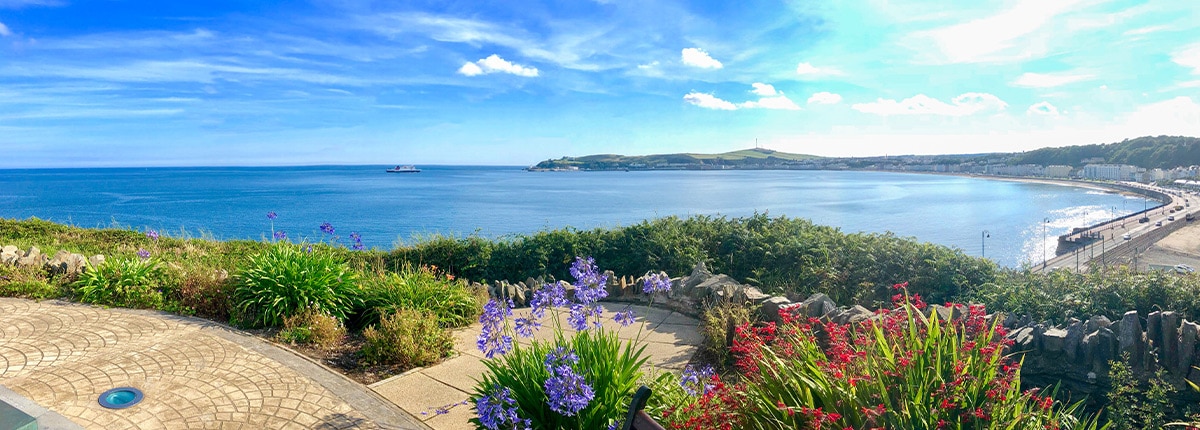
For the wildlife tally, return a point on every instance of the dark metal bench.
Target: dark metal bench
(637, 419)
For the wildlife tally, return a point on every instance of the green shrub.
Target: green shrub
(1111, 292)
(287, 279)
(718, 327)
(122, 282)
(407, 338)
(1133, 404)
(612, 367)
(908, 370)
(312, 328)
(206, 293)
(454, 302)
(26, 283)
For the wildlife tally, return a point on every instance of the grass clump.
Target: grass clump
(407, 338)
(27, 283)
(718, 325)
(286, 279)
(312, 328)
(122, 282)
(453, 302)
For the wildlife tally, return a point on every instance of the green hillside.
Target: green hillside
(1150, 152)
(746, 158)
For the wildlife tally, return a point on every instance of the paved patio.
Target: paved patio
(195, 374)
(671, 340)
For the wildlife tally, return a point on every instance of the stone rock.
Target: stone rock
(1104, 349)
(1188, 332)
(1154, 329)
(1129, 338)
(858, 314)
(1054, 339)
(1169, 351)
(1022, 338)
(96, 260)
(533, 283)
(1010, 321)
(817, 305)
(10, 254)
(699, 274)
(947, 313)
(58, 264)
(714, 284)
(1024, 321)
(33, 258)
(769, 311)
(1073, 340)
(1096, 322)
(754, 295)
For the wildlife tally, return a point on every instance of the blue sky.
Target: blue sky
(223, 82)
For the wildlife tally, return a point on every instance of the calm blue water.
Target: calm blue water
(387, 209)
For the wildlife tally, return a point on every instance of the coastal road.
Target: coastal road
(1111, 247)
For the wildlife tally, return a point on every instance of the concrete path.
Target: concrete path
(195, 374)
(671, 339)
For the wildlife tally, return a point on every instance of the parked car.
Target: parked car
(1126, 236)
(1171, 218)
(1183, 268)
(1158, 224)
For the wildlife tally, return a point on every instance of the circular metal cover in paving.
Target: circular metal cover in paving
(198, 374)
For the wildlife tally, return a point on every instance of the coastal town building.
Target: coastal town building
(1112, 172)
(1058, 171)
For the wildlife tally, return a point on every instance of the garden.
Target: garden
(374, 313)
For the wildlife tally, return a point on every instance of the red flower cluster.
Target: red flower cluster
(717, 409)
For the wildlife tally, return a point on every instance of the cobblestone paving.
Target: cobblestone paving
(671, 340)
(194, 374)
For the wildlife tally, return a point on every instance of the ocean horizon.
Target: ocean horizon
(388, 209)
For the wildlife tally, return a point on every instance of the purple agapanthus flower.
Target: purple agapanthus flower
(578, 317)
(656, 283)
(143, 254)
(152, 234)
(281, 235)
(327, 228)
(567, 392)
(624, 318)
(308, 249)
(492, 340)
(695, 381)
(525, 327)
(498, 410)
(271, 215)
(550, 295)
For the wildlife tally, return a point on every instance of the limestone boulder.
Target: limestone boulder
(1130, 338)
(1188, 334)
(1169, 349)
(33, 258)
(818, 305)
(769, 310)
(96, 260)
(10, 254)
(1053, 340)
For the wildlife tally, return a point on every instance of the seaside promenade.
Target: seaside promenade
(1106, 244)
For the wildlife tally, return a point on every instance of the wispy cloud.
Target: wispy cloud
(920, 104)
(708, 101)
(805, 69)
(4, 31)
(697, 57)
(1049, 80)
(494, 64)
(997, 37)
(1188, 57)
(824, 98)
(1042, 108)
(18, 4)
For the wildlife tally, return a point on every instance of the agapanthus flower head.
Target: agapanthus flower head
(308, 249)
(281, 235)
(498, 410)
(656, 283)
(586, 273)
(143, 254)
(327, 228)
(355, 236)
(492, 340)
(152, 234)
(624, 318)
(567, 392)
(696, 382)
(524, 327)
(358, 246)
(550, 295)
(577, 318)
(271, 215)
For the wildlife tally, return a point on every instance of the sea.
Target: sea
(1014, 223)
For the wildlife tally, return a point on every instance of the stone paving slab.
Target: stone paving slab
(671, 339)
(195, 374)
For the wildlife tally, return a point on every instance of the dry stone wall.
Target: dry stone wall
(61, 263)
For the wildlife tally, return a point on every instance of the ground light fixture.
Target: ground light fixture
(121, 397)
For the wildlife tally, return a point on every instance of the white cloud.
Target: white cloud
(807, 69)
(1042, 108)
(1190, 84)
(648, 66)
(780, 102)
(708, 101)
(1049, 80)
(1179, 116)
(763, 89)
(494, 64)
(920, 104)
(1188, 57)
(998, 37)
(696, 57)
(17, 4)
(1146, 30)
(4, 31)
(825, 98)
